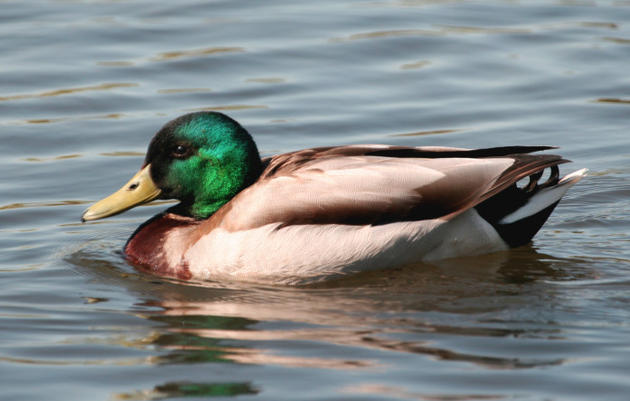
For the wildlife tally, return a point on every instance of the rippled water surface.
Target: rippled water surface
(85, 84)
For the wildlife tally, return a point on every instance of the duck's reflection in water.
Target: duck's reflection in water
(456, 297)
(189, 389)
(446, 312)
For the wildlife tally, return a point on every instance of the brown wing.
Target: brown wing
(376, 184)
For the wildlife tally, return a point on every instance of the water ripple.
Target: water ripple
(68, 91)
(178, 54)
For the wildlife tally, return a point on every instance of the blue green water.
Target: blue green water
(85, 84)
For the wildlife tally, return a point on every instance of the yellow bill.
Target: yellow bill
(140, 189)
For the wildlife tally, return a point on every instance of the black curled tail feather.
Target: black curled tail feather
(506, 202)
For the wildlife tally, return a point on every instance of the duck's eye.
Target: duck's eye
(180, 151)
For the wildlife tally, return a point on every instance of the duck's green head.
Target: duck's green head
(202, 159)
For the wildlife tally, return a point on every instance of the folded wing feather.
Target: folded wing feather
(376, 184)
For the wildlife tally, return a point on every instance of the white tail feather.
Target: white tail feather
(545, 197)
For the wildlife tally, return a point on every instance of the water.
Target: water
(85, 84)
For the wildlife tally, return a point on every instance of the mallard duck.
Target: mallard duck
(317, 213)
